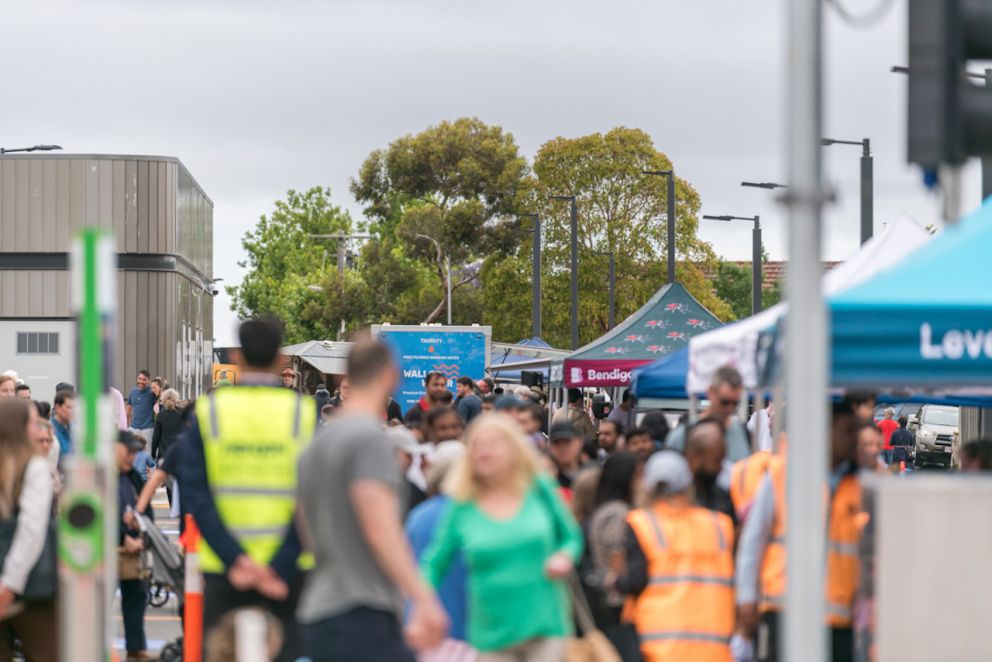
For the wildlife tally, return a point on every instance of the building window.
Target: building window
(31, 342)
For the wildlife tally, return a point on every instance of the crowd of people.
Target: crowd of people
(474, 526)
(36, 445)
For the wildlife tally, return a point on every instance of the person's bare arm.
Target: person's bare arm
(378, 512)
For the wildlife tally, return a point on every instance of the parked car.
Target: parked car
(935, 427)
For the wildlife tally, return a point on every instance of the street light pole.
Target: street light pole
(756, 278)
(867, 183)
(670, 201)
(575, 268)
(611, 319)
(535, 313)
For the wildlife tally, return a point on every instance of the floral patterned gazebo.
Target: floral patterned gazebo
(662, 326)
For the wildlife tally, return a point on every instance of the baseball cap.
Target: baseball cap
(131, 440)
(668, 467)
(563, 430)
(509, 402)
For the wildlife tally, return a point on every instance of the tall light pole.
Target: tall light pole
(670, 200)
(33, 148)
(575, 268)
(867, 183)
(755, 256)
(535, 312)
(611, 320)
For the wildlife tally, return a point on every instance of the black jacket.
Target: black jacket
(168, 425)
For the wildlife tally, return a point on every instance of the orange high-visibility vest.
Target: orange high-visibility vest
(773, 562)
(686, 612)
(843, 535)
(745, 479)
(843, 564)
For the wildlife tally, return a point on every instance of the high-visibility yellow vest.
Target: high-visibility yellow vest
(686, 612)
(252, 440)
(745, 479)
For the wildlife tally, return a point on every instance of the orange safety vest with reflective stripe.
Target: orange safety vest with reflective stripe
(686, 612)
(843, 564)
(846, 520)
(773, 562)
(745, 479)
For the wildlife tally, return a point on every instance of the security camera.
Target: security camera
(214, 292)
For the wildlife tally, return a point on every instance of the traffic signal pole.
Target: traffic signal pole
(88, 522)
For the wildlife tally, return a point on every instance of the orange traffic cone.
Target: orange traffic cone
(193, 599)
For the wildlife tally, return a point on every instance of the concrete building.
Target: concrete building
(162, 227)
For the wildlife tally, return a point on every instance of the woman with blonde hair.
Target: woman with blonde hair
(519, 541)
(27, 551)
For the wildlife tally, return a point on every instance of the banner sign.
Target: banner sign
(453, 351)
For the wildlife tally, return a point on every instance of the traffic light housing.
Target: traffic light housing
(950, 118)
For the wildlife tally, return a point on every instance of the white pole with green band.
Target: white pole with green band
(88, 518)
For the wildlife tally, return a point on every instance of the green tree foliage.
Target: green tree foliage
(284, 261)
(620, 210)
(733, 285)
(447, 193)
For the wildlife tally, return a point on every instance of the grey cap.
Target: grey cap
(668, 467)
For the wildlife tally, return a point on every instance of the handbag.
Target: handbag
(591, 645)
(42, 581)
(132, 565)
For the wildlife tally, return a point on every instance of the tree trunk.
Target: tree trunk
(437, 310)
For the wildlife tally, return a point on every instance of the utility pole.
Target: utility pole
(670, 202)
(575, 267)
(806, 347)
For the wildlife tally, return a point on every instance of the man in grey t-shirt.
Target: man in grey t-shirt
(348, 495)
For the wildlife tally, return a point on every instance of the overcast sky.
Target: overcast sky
(258, 97)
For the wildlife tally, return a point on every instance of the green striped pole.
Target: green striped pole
(88, 518)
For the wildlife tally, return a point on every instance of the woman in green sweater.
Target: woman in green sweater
(519, 541)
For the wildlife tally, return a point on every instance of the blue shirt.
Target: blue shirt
(143, 462)
(142, 413)
(63, 435)
(420, 526)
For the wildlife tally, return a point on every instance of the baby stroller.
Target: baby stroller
(168, 572)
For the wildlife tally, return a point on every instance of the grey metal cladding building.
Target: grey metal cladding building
(162, 224)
